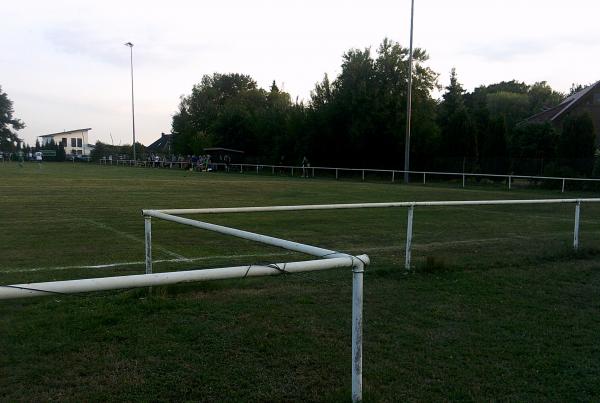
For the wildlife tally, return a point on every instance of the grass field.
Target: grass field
(506, 311)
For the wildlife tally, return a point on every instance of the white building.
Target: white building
(75, 142)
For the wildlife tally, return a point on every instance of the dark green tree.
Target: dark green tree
(219, 110)
(576, 144)
(542, 96)
(532, 147)
(458, 140)
(359, 119)
(9, 125)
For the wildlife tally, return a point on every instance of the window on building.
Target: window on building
(79, 152)
(79, 143)
(64, 141)
(73, 142)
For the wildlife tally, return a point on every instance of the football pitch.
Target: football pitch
(498, 306)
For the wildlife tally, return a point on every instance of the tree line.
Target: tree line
(358, 119)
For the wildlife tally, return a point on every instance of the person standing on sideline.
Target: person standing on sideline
(227, 160)
(305, 165)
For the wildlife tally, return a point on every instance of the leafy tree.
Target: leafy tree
(575, 88)
(103, 150)
(512, 106)
(458, 138)
(576, 144)
(9, 125)
(218, 110)
(531, 145)
(542, 96)
(494, 149)
(360, 117)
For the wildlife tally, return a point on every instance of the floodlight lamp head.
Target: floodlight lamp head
(129, 44)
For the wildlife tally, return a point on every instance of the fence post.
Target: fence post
(576, 231)
(257, 169)
(393, 176)
(357, 329)
(563, 186)
(409, 234)
(241, 168)
(336, 173)
(273, 170)
(423, 178)
(148, 237)
(463, 180)
(313, 172)
(292, 171)
(363, 175)
(509, 182)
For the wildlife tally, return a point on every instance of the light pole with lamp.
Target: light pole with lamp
(132, 104)
(409, 97)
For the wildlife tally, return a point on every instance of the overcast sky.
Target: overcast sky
(64, 65)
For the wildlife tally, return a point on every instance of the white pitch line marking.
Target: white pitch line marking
(134, 238)
(139, 263)
(253, 255)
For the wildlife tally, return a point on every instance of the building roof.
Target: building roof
(229, 150)
(552, 114)
(162, 143)
(66, 132)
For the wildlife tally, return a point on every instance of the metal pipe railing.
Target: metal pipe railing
(410, 205)
(250, 236)
(273, 168)
(156, 279)
(370, 205)
(357, 263)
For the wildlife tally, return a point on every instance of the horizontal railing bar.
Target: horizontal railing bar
(157, 279)
(366, 205)
(467, 174)
(264, 239)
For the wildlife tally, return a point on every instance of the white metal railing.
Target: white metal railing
(357, 263)
(357, 284)
(328, 259)
(410, 205)
(393, 173)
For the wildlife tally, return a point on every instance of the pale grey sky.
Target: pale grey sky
(64, 65)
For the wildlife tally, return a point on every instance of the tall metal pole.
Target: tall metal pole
(409, 97)
(132, 103)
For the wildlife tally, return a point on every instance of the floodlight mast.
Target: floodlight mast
(130, 45)
(409, 98)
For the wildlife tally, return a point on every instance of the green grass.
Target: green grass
(499, 308)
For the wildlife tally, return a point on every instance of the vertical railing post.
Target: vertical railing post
(148, 238)
(576, 230)
(313, 172)
(363, 175)
(336, 173)
(409, 234)
(357, 329)
(257, 169)
(463, 180)
(509, 182)
(563, 186)
(241, 168)
(393, 176)
(273, 170)
(292, 171)
(423, 178)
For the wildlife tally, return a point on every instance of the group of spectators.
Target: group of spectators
(192, 162)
